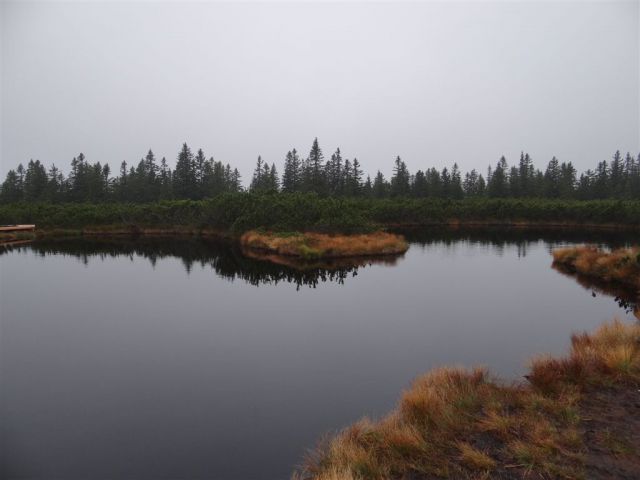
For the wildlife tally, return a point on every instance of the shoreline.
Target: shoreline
(210, 232)
(574, 416)
(616, 268)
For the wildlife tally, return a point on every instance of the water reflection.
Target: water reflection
(626, 298)
(106, 370)
(227, 260)
(498, 239)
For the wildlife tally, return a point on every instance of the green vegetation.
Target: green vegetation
(196, 177)
(456, 423)
(241, 212)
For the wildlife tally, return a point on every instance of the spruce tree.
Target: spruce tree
(315, 181)
(257, 181)
(400, 179)
(184, 176)
(291, 176)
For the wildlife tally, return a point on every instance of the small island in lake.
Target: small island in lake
(310, 245)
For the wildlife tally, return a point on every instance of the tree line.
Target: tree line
(197, 177)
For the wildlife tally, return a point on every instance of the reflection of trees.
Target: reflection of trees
(498, 238)
(626, 297)
(225, 259)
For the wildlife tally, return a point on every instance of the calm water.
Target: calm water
(184, 360)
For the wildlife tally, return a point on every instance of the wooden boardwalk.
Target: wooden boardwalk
(17, 228)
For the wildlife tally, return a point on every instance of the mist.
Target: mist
(434, 83)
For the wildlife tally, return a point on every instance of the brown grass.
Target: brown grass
(458, 423)
(317, 245)
(621, 266)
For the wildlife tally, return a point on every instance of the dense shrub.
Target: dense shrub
(239, 212)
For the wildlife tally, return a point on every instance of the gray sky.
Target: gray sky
(432, 82)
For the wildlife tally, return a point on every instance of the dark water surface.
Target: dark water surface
(155, 359)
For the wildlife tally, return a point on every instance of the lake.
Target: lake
(182, 359)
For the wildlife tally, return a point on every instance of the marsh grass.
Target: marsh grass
(312, 245)
(621, 266)
(460, 423)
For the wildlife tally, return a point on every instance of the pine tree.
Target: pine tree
(314, 172)
(400, 179)
(236, 184)
(419, 187)
(165, 179)
(498, 185)
(257, 182)
(525, 175)
(55, 185)
(434, 183)
(200, 163)
(380, 187)
(274, 182)
(616, 176)
(456, 183)
(292, 175)
(567, 182)
(35, 182)
(367, 187)
(334, 174)
(184, 176)
(470, 184)
(11, 190)
(552, 179)
(355, 184)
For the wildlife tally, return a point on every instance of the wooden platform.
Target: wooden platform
(17, 228)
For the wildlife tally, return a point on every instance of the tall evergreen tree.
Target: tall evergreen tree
(314, 179)
(380, 187)
(400, 179)
(292, 175)
(184, 176)
(11, 189)
(35, 182)
(498, 185)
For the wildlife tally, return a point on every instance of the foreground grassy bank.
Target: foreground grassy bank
(576, 417)
(620, 266)
(319, 245)
(241, 212)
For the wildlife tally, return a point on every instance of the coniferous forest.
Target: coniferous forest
(197, 177)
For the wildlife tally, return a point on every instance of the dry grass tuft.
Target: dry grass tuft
(475, 459)
(611, 353)
(457, 423)
(619, 266)
(317, 245)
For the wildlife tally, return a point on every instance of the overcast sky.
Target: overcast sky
(434, 83)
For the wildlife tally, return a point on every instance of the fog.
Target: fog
(434, 83)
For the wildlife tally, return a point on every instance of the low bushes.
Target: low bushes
(241, 212)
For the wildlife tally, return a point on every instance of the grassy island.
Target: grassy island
(620, 266)
(311, 245)
(575, 417)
